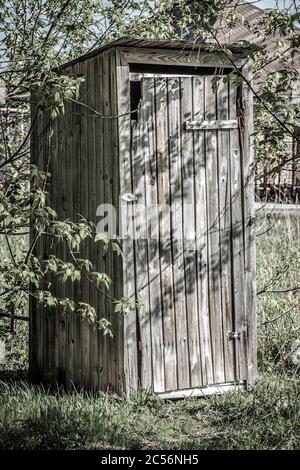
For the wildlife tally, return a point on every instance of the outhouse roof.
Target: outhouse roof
(174, 44)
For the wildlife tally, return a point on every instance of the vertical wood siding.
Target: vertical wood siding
(191, 278)
(84, 173)
(191, 269)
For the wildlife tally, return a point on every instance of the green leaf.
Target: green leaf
(116, 247)
(101, 237)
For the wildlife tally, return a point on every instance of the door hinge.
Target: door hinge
(231, 335)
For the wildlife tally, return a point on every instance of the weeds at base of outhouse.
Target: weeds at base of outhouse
(264, 417)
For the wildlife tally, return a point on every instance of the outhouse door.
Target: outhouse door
(187, 257)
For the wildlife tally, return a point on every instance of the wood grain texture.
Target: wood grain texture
(213, 240)
(92, 71)
(166, 57)
(165, 254)
(151, 189)
(202, 235)
(139, 166)
(188, 203)
(77, 188)
(100, 261)
(250, 329)
(117, 262)
(182, 148)
(225, 229)
(130, 332)
(107, 175)
(56, 248)
(237, 238)
(84, 211)
(211, 124)
(176, 199)
(70, 174)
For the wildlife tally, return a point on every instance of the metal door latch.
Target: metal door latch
(233, 335)
(128, 197)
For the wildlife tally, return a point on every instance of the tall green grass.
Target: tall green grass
(278, 308)
(265, 417)
(16, 341)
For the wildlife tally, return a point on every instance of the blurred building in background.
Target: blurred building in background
(284, 186)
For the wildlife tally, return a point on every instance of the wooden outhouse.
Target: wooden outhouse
(156, 135)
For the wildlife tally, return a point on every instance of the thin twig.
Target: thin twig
(87, 277)
(279, 316)
(278, 291)
(99, 115)
(15, 317)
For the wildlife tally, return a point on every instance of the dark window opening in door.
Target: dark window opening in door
(135, 98)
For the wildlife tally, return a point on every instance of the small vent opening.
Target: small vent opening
(135, 98)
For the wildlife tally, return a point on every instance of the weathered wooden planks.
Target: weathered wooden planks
(70, 174)
(211, 125)
(224, 178)
(188, 203)
(167, 57)
(237, 238)
(130, 332)
(108, 189)
(176, 234)
(165, 254)
(192, 266)
(214, 283)
(201, 236)
(117, 262)
(100, 261)
(140, 261)
(92, 71)
(60, 332)
(151, 196)
(77, 188)
(249, 330)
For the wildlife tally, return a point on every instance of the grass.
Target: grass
(16, 344)
(267, 416)
(278, 313)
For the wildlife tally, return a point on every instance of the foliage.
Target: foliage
(36, 38)
(277, 110)
(16, 347)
